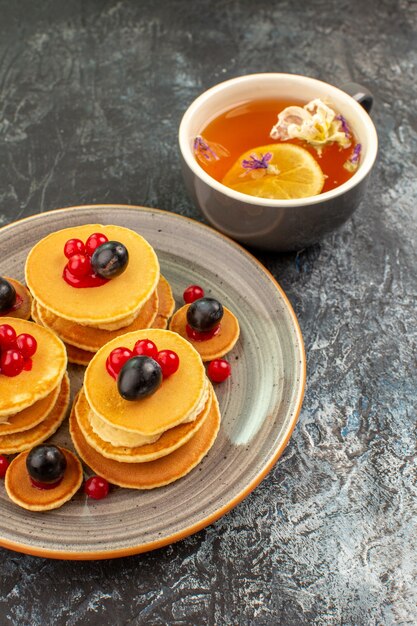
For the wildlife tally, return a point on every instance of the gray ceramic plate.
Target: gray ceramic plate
(259, 404)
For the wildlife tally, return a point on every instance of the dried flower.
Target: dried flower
(352, 163)
(203, 149)
(259, 166)
(253, 163)
(344, 125)
(356, 153)
(316, 123)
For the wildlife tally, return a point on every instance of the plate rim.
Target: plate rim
(225, 508)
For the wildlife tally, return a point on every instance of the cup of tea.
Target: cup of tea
(228, 148)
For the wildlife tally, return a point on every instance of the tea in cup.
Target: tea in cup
(277, 160)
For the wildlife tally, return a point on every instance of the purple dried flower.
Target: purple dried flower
(356, 153)
(202, 149)
(352, 164)
(344, 125)
(254, 163)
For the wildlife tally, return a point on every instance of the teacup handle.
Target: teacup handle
(359, 93)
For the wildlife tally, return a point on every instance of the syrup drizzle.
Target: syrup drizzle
(27, 364)
(92, 280)
(196, 335)
(43, 486)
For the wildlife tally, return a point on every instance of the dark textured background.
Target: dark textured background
(91, 94)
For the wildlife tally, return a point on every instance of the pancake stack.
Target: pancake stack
(33, 404)
(152, 441)
(87, 318)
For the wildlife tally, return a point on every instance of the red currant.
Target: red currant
(146, 347)
(218, 370)
(169, 362)
(7, 336)
(11, 362)
(94, 241)
(27, 345)
(116, 359)
(79, 265)
(74, 246)
(193, 292)
(4, 464)
(96, 487)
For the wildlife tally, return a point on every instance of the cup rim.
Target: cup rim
(363, 170)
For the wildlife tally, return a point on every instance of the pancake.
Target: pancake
(160, 322)
(48, 366)
(153, 473)
(175, 400)
(118, 298)
(22, 311)
(18, 442)
(78, 356)
(166, 304)
(92, 339)
(217, 346)
(169, 441)
(30, 417)
(75, 355)
(34, 312)
(129, 439)
(20, 489)
(83, 357)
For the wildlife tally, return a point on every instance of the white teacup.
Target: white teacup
(261, 222)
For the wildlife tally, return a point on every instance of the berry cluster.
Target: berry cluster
(139, 372)
(167, 359)
(94, 262)
(204, 316)
(15, 351)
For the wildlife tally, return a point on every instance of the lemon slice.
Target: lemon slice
(291, 172)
